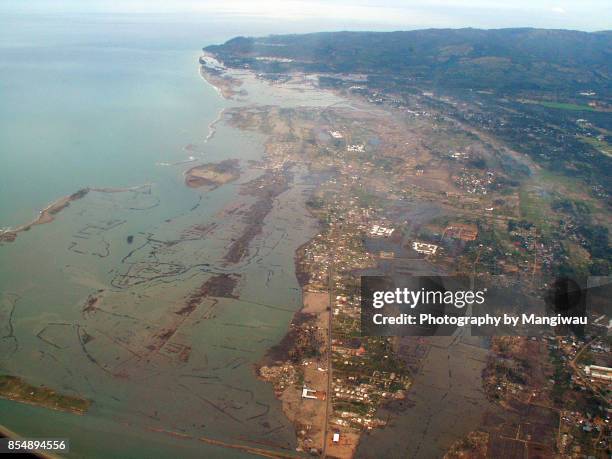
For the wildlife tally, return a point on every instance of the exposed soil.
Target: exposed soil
(219, 286)
(212, 174)
(266, 188)
(47, 215)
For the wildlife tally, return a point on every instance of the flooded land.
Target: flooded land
(215, 311)
(396, 188)
(445, 402)
(154, 305)
(303, 358)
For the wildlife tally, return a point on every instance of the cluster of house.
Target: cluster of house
(475, 183)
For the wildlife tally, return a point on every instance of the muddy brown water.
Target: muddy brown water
(445, 403)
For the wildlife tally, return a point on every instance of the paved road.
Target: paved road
(330, 287)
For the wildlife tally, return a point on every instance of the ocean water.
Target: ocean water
(116, 102)
(94, 101)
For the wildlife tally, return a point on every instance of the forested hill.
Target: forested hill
(503, 59)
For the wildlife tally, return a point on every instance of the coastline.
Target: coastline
(225, 84)
(281, 366)
(212, 175)
(212, 125)
(253, 232)
(301, 359)
(48, 214)
(202, 74)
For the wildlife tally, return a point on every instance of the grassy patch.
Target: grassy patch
(578, 256)
(560, 182)
(560, 105)
(600, 145)
(15, 388)
(533, 207)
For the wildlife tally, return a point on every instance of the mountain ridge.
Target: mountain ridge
(503, 59)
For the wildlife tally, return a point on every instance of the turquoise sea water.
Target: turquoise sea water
(95, 101)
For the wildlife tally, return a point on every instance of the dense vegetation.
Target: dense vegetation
(510, 59)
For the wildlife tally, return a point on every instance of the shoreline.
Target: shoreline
(219, 78)
(212, 125)
(202, 75)
(48, 213)
(239, 249)
(308, 329)
(212, 175)
(300, 359)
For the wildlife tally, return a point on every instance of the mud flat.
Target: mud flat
(212, 174)
(15, 388)
(219, 286)
(249, 449)
(47, 215)
(267, 188)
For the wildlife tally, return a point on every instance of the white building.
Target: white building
(381, 231)
(601, 373)
(422, 247)
(309, 393)
(357, 147)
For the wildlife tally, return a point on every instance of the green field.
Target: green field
(560, 105)
(530, 206)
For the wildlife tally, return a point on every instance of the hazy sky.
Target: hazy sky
(358, 14)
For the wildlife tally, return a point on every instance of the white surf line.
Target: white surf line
(209, 83)
(212, 126)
